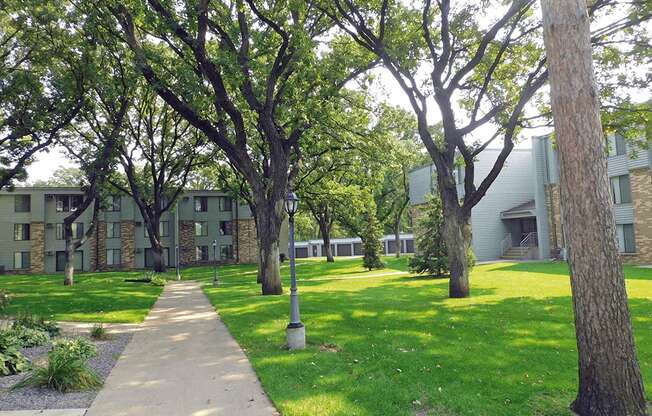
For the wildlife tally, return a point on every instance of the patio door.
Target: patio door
(61, 260)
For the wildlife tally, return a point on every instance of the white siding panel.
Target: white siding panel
(617, 165)
(420, 184)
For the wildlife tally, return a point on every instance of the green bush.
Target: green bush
(78, 348)
(372, 247)
(99, 332)
(157, 280)
(32, 321)
(431, 254)
(29, 337)
(4, 300)
(11, 359)
(63, 373)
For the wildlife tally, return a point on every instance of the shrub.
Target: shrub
(29, 337)
(11, 359)
(63, 373)
(99, 332)
(372, 246)
(157, 280)
(75, 349)
(32, 321)
(4, 300)
(432, 255)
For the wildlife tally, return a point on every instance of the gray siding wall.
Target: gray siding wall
(512, 187)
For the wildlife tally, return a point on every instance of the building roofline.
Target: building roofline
(489, 149)
(17, 189)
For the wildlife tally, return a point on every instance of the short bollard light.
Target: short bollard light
(296, 332)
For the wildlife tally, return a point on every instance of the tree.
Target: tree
(483, 63)
(43, 81)
(249, 76)
(159, 151)
(63, 176)
(371, 245)
(431, 255)
(610, 380)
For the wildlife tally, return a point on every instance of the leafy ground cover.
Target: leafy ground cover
(386, 342)
(95, 297)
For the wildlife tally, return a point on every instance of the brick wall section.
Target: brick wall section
(246, 245)
(553, 205)
(37, 250)
(97, 243)
(128, 244)
(187, 242)
(641, 183)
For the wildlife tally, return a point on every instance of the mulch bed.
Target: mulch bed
(35, 398)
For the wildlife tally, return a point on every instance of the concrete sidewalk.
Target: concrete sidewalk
(183, 361)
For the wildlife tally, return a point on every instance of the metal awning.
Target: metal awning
(525, 210)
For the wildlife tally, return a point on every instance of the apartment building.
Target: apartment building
(520, 216)
(32, 238)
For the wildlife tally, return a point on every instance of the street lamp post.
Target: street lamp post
(296, 332)
(214, 262)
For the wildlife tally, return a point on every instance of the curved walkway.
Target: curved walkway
(182, 361)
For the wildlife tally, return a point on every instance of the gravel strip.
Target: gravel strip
(34, 398)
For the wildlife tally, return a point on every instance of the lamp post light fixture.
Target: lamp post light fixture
(296, 332)
(214, 262)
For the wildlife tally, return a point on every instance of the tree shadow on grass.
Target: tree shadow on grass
(401, 344)
(561, 268)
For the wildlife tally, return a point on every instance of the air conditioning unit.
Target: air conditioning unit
(49, 225)
(49, 253)
(139, 224)
(49, 196)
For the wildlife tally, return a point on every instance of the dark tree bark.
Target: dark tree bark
(610, 380)
(322, 215)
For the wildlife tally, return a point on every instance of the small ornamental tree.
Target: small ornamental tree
(431, 255)
(372, 245)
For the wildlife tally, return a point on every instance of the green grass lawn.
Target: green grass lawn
(396, 345)
(95, 297)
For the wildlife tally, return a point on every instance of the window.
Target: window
(21, 260)
(201, 253)
(163, 229)
(114, 203)
(201, 203)
(22, 203)
(617, 145)
(67, 203)
(113, 257)
(149, 257)
(226, 228)
(112, 230)
(201, 229)
(621, 189)
(225, 203)
(226, 252)
(626, 238)
(21, 232)
(61, 260)
(77, 230)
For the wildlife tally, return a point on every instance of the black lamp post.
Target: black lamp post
(214, 262)
(296, 332)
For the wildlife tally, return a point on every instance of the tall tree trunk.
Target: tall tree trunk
(610, 380)
(269, 217)
(457, 237)
(154, 233)
(325, 225)
(69, 268)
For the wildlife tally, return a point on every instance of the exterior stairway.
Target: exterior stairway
(515, 253)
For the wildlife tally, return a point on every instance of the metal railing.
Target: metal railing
(530, 240)
(506, 244)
